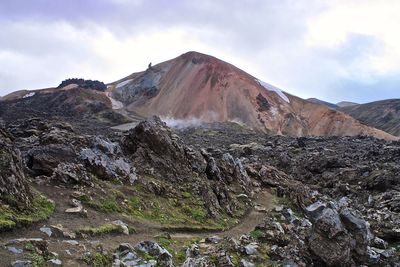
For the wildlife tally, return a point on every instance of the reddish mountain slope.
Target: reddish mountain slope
(199, 86)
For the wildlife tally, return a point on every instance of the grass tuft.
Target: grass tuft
(41, 209)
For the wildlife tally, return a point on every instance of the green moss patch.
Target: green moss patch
(41, 209)
(98, 259)
(256, 234)
(185, 210)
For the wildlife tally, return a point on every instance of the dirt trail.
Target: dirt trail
(248, 223)
(146, 230)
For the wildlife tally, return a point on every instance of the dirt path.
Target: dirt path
(146, 230)
(248, 223)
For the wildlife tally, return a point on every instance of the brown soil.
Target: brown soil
(146, 230)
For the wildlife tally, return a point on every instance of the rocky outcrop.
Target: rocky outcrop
(105, 160)
(329, 239)
(127, 255)
(14, 189)
(157, 151)
(153, 146)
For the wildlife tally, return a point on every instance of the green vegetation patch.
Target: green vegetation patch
(176, 213)
(177, 247)
(256, 234)
(185, 211)
(41, 209)
(98, 259)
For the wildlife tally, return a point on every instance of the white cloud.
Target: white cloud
(310, 48)
(45, 53)
(374, 18)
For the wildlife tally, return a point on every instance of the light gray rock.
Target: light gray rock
(15, 250)
(251, 248)
(122, 225)
(55, 262)
(151, 248)
(71, 242)
(46, 230)
(245, 263)
(315, 210)
(21, 263)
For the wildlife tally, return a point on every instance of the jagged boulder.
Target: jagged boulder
(14, 189)
(329, 239)
(105, 160)
(339, 237)
(42, 160)
(152, 145)
(223, 167)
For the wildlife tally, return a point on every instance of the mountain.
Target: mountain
(75, 191)
(384, 115)
(88, 107)
(202, 87)
(191, 87)
(324, 103)
(343, 104)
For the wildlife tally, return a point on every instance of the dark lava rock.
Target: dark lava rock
(152, 145)
(329, 239)
(14, 189)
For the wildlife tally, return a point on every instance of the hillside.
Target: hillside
(384, 115)
(202, 87)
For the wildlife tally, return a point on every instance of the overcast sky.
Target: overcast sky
(333, 50)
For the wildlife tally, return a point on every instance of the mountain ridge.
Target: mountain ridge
(196, 85)
(383, 114)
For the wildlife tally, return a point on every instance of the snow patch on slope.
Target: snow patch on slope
(123, 83)
(29, 95)
(272, 88)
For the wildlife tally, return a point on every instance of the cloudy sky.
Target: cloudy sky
(333, 50)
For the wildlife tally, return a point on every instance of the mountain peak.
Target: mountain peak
(202, 87)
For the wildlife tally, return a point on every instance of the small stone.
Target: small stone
(151, 247)
(289, 263)
(278, 208)
(71, 242)
(122, 225)
(46, 230)
(243, 196)
(21, 263)
(164, 235)
(251, 249)
(245, 263)
(60, 231)
(55, 262)
(380, 243)
(260, 208)
(213, 239)
(125, 247)
(77, 209)
(15, 250)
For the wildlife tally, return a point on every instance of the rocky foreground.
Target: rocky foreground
(215, 195)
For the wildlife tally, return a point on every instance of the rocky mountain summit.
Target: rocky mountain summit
(219, 194)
